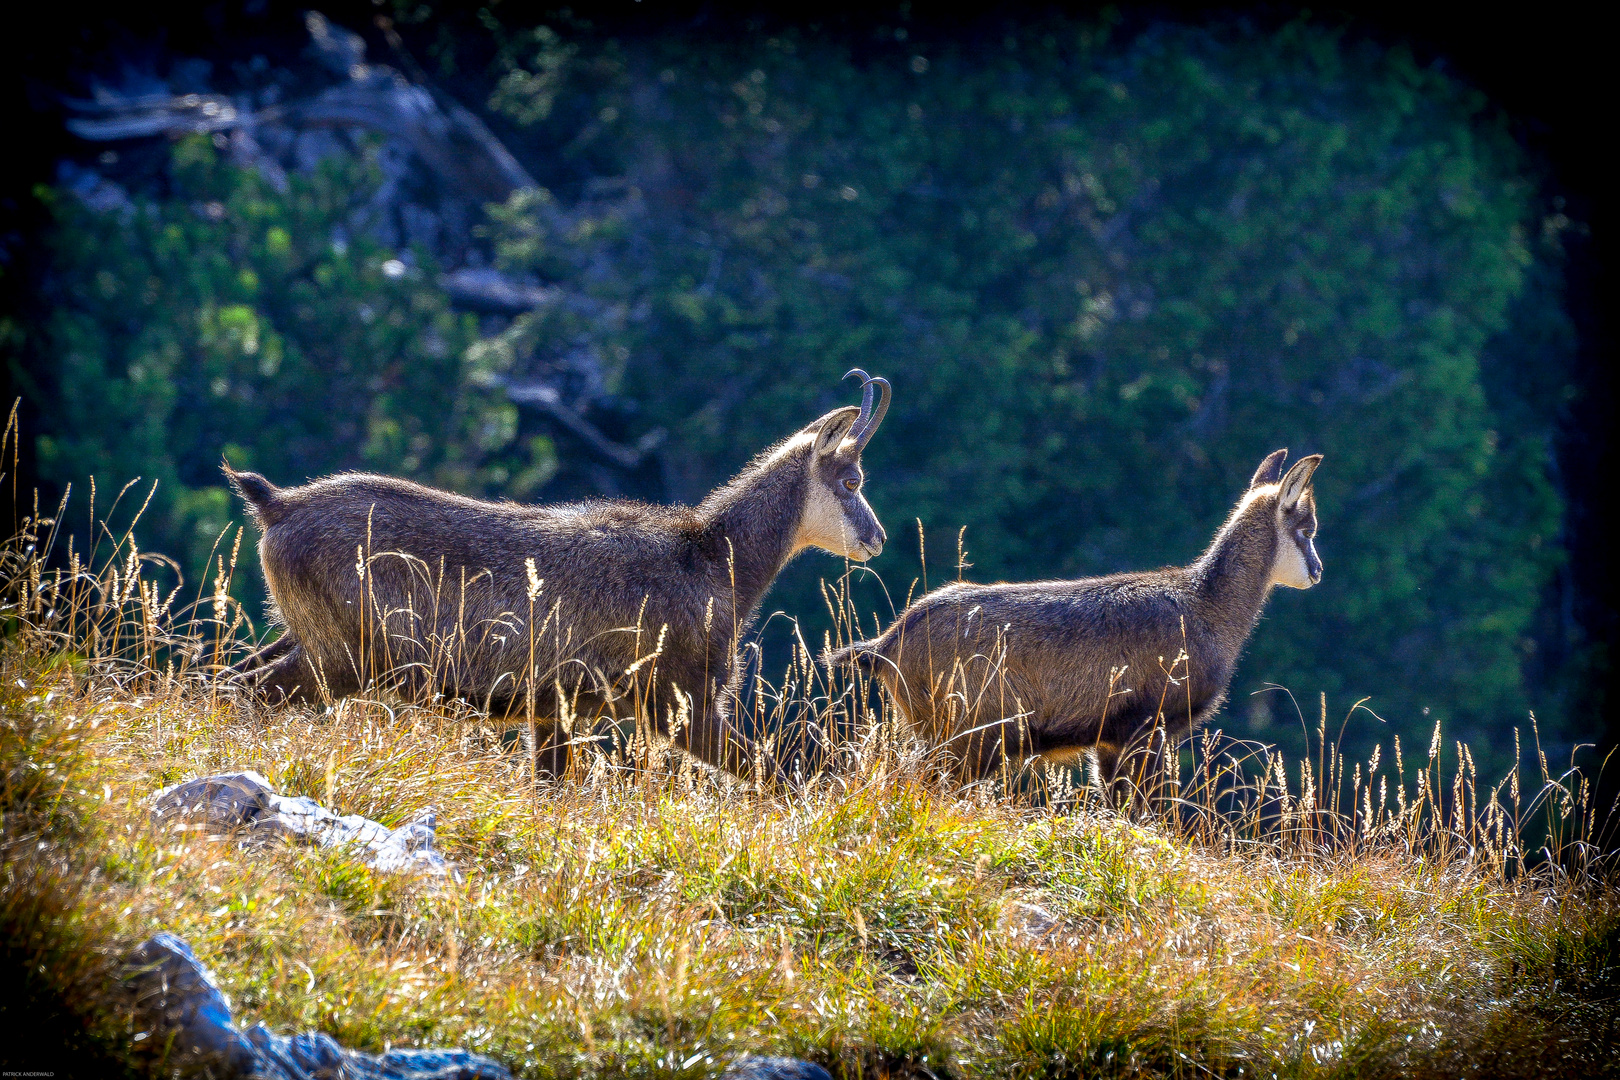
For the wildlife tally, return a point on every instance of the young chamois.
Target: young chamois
(585, 612)
(1094, 668)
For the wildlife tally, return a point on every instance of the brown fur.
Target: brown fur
(1000, 673)
(443, 606)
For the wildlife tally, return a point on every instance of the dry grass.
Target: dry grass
(648, 918)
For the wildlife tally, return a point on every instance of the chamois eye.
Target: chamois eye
(852, 484)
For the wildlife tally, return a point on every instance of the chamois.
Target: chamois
(1093, 668)
(582, 611)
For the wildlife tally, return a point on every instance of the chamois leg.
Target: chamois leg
(710, 738)
(984, 749)
(1105, 773)
(1138, 773)
(552, 751)
(292, 679)
(261, 657)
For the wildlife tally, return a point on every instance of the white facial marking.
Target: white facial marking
(826, 526)
(1289, 568)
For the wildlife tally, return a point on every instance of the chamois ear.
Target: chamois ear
(1298, 481)
(833, 428)
(1270, 470)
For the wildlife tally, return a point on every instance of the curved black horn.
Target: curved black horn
(869, 419)
(866, 400)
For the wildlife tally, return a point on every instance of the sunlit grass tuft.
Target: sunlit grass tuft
(645, 917)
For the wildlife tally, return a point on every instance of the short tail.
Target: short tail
(262, 497)
(862, 654)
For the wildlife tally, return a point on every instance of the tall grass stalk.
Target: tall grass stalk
(642, 915)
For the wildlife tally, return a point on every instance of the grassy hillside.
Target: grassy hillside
(643, 917)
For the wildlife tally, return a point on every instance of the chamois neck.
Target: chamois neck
(758, 512)
(1234, 573)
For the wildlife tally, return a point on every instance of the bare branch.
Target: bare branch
(546, 398)
(484, 289)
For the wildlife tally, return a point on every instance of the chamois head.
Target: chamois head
(1290, 503)
(836, 515)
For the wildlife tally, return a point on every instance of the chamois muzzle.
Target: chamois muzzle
(873, 541)
(861, 524)
(869, 419)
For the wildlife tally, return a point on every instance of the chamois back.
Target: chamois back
(583, 611)
(1090, 668)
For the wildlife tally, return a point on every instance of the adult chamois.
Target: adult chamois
(580, 612)
(1095, 667)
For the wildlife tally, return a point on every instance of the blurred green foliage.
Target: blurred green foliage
(232, 320)
(1105, 276)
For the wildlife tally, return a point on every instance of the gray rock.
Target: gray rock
(244, 805)
(1022, 919)
(755, 1067)
(223, 802)
(180, 1007)
(94, 191)
(177, 998)
(339, 49)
